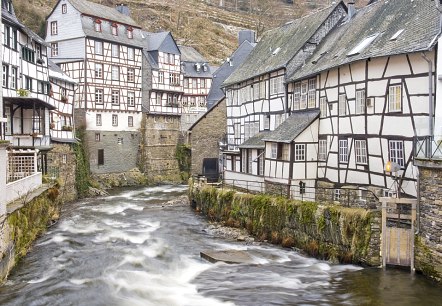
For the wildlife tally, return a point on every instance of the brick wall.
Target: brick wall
(428, 251)
(206, 135)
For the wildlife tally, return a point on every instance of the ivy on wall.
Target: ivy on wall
(183, 156)
(82, 179)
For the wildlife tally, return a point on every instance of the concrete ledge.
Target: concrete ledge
(20, 202)
(428, 163)
(227, 256)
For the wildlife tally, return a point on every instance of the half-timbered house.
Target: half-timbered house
(256, 93)
(101, 49)
(373, 82)
(25, 89)
(197, 82)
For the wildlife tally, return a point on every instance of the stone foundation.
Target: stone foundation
(62, 165)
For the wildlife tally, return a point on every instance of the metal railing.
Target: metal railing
(427, 147)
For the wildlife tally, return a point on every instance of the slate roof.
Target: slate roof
(189, 54)
(225, 70)
(11, 18)
(289, 39)
(293, 126)
(190, 57)
(56, 72)
(154, 42)
(255, 142)
(418, 18)
(102, 11)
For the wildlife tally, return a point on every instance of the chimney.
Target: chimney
(244, 35)
(123, 9)
(351, 9)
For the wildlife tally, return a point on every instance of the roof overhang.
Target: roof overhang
(27, 102)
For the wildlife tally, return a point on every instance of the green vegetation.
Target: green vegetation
(183, 156)
(336, 233)
(82, 179)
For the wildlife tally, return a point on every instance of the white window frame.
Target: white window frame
(54, 49)
(360, 106)
(99, 96)
(322, 149)
(115, 50)
(5, 75)
(54, 28)
(337, 194)
(130, 53)
(311, 93)
(361, 151)
(130, 121)
(98, 71)
(395, 98)
(131, 75)
(343, 150)
(304, 94)
(98, 120)
(277, 85)
(342, 105)
(161, 77)
(115, 75)
(14, 79)
(396, 152)
(97, 26)
(131, 98)
(323, 107)
(114, 28)
(114, 120)
(64, 8)
(273, 150)
(297, 96)
(244, 161)
(300, 152)
(285, 154)
(115, 97)
(98, 47)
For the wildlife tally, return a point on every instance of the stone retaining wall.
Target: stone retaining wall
(336, 233)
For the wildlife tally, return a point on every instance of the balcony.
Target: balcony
(428, 148)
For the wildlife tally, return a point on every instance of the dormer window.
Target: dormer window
(97, 25)
(114, 29)
(9, 6)
(130, 32)
(64, 8)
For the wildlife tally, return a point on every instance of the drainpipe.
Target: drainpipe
(430, 103)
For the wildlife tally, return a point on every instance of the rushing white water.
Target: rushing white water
(132, 249)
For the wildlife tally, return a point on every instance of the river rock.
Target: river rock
(227, 256)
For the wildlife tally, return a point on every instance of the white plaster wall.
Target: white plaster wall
(106, 118)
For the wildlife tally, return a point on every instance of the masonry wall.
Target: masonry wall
(428, 253)
(160, 135)
(206, 135)
(62, 164)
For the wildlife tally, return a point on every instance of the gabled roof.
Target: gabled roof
(102, 11)
(293, 126)
(11, 18)
(189, 54)
(255, 142)
(160, 41)
(56, 73)
(369, 34)
(280, 45)
(226, 69)
(205, 114)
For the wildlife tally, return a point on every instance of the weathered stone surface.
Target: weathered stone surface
(227, 256)
(206, 135)
(62, 166)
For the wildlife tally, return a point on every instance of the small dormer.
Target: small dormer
(197, 67)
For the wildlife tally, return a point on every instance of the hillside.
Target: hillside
(204, 24)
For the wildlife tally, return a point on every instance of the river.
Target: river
(131, 248)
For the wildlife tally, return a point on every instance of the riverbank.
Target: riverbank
(335, 233)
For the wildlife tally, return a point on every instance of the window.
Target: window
(131, 75)
(299, 152)
(194, 84)
(312, 93)
(343, 150)
(5, 76)
(322, 151)
(63, 94)
(186, 83)
(98, 96)
(174, 79)
(120, 140)
(97, 25)
(161, 77)
(363, 44)
(337, 195)
(260, 162)
(98, 47)
(360, 102)
(249, 161)
(28, 83)
(115, 98)
(244, 161)
(64, 158)
(158, 99)
(266, 122)
(115, 73)
(114, 29)
(130, 33)
(274, 151)
(14, 74)
(361, 151)
(130, 121)
(297, 96)
(131, 53)
(342, 105)
(323, 106)
(396, 149)
(131, 98)
(98, 71)
(304, 93)
(41, 87)
(114, 120)
(115, 50)
(28, 54)
(276, 85)
(100, 159)
(54, 28)
(54, 49)
(203, 83)
(395, 98)
(97, 137)
(98, 120)
(64, 9)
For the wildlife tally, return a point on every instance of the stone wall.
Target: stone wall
(331, 232)
(160, 135)
(62, 165)
(120, 150)
(428, 252)
(206, 135)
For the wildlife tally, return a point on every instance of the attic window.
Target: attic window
(362, 45)
(97, 25)
(396, 35)
(130, 32)
(276, 51)
(114, 29)
(64, 8)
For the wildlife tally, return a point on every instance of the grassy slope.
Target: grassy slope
(208, 28)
